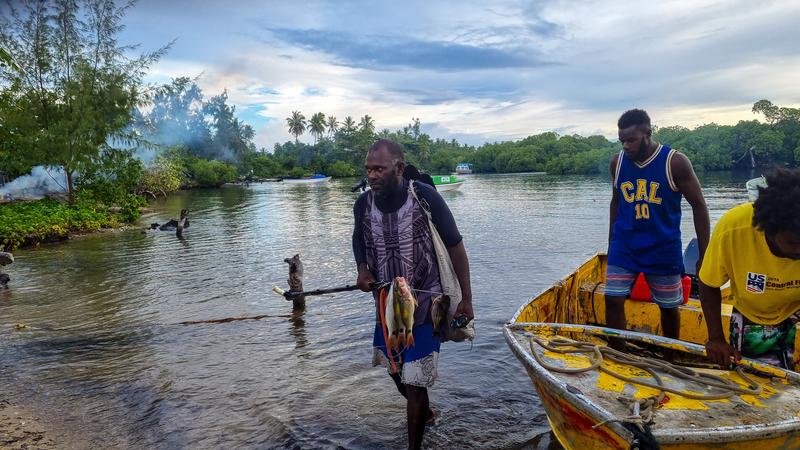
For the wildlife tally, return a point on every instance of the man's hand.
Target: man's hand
(719, 352)
(465, 308)
(365, 279)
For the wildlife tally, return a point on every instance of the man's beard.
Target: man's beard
(391, 188)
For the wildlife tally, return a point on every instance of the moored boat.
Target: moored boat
(584, 409)
(753, 185)
(463, 168)
(447, 182)
(315, 179)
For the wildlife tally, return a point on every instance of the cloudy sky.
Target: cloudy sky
(484, 70)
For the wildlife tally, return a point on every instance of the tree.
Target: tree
(175, 117)
(333, 125)
(296, 124)
(349, 125)
(231, 138)
(367, 124)
(75, 88)
(317, 125)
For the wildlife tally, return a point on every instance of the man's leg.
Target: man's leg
(671, 322)
(402, 389)
(618, 285)
(417, 414)
(667, 292)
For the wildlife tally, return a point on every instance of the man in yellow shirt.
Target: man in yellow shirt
(756, 246)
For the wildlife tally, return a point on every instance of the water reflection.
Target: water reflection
(298, 331)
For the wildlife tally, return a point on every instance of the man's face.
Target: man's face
(384, 173)
(635, 142)
(787, 244)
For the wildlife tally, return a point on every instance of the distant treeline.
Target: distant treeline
(340, 151)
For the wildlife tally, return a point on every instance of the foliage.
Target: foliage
(205, 173)
(166, 174)
(341, 169)
(259, 165)
(179, 115)
(29, 223)
(75, 87)
(296, 124)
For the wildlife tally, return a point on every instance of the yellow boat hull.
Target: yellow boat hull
(576, 304)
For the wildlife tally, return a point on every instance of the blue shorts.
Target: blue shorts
(666, 290)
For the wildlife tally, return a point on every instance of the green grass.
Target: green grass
(30, 223)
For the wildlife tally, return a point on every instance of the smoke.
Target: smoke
(42, 181)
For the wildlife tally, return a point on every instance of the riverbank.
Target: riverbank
(21, 428)
(27, 224)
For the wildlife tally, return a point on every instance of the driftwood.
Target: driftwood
(225, 320)
(296, 281)
(184, 221)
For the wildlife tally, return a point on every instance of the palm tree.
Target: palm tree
(333, 125)
(349, 124)
(367, 123)
(296, 124)
(317, 125)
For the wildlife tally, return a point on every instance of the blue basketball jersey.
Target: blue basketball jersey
(647, 230)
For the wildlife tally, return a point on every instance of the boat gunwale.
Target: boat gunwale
(668, 436)
(551, 287)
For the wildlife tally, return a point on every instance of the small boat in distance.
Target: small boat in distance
(447, 182)
(753, 185)
(314, 179)
(463, 168)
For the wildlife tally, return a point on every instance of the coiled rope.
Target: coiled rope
(641, 410)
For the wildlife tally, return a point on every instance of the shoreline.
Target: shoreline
(22, 428)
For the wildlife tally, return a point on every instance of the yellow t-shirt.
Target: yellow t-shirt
(765, 288)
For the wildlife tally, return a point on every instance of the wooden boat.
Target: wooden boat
(583, 408)
(447, 182)
(316, 179)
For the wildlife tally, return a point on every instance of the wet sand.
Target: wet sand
(21, 428)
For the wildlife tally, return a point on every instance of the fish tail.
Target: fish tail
(410, 339)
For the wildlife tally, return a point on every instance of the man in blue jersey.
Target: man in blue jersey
(645, 223)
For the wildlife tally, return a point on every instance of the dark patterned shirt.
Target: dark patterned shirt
(393, 237)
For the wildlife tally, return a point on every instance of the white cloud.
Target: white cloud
(687, 62)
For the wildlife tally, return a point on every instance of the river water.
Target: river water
(104, 357)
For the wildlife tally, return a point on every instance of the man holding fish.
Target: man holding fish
(393, 242)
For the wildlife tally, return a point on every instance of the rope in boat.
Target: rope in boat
(641, 410)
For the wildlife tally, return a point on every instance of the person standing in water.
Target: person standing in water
(649, 181)
(392, 238)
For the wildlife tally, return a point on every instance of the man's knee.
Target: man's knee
(416, 392)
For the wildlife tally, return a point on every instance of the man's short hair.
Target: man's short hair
(777, 207)
(633, 117)
(394, 149)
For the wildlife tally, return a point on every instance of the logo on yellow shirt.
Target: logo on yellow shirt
(756, 282)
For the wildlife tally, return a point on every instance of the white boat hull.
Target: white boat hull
(306, 180)
(449, 186)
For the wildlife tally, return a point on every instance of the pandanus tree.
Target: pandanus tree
(296, 124)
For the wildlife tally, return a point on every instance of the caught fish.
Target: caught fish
(404, 306)
(439, 306)
(390, 314)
